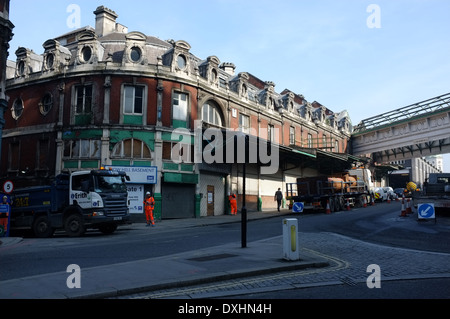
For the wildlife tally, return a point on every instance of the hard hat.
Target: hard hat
(148, 193)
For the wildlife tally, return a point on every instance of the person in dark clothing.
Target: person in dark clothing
(278, 198)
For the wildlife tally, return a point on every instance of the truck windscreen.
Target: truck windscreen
(108, 184)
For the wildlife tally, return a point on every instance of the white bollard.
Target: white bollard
(290, 239)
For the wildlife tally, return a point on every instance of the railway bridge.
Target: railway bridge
(417, 130)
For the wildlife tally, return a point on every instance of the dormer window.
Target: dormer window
(181, 62)
(89, 49)
(135, 54)
(214, 75)
(56, 57)
(49, 61)
(86, 54)
(21, 68)
(244, 90)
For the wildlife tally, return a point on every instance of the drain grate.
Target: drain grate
(212, 257)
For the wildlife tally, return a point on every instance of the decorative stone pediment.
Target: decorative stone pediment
(178, 57)
(89, 48)
(135, 52)
(56, 56)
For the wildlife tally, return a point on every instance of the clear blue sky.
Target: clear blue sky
(323, 49)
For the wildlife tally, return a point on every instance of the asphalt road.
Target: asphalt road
(381, 224)
(377, 224)
(413, 258)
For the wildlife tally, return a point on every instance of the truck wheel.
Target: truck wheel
(107, 228)
(42, 227)
(74, 226)
(338, 203)
(360, 201)
(343, 203)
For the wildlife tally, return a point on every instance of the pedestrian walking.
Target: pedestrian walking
(149, 206)
(233, 203)
(278, 198)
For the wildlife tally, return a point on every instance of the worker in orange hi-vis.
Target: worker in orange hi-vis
(233, 204)
(149, 206)
(4, 220)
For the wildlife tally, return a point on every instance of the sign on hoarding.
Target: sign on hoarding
(136, 198)
(138, 175)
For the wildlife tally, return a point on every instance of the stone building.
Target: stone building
(104, 96)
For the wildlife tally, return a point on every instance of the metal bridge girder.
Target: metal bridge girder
(414, 133)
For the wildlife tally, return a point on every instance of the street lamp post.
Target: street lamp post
(243, 211)
(6, 35)
(3, 106)
(244, 208)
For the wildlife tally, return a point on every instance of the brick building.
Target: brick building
(105, 96)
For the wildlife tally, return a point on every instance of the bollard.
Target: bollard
(290, 239)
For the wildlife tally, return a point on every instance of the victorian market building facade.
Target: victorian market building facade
(107, 97)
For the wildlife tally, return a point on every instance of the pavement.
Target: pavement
(224, 262)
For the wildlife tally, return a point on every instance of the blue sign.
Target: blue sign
(425, 210)
(298, 207)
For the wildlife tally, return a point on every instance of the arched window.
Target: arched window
(211, 114)
(131, 148)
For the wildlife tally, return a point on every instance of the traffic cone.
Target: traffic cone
(328, 210)
(389, 199)
(403, 213)
(373, 201)
(408, 206)
(365, 201)
(348, 204)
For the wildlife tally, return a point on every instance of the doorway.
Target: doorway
(210, 198)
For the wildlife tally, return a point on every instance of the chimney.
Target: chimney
(228, 67)
(105, 21)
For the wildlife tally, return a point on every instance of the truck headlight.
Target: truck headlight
(95, 214)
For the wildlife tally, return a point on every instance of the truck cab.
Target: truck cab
(364, 175)
(102, 198)
(73, 202)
